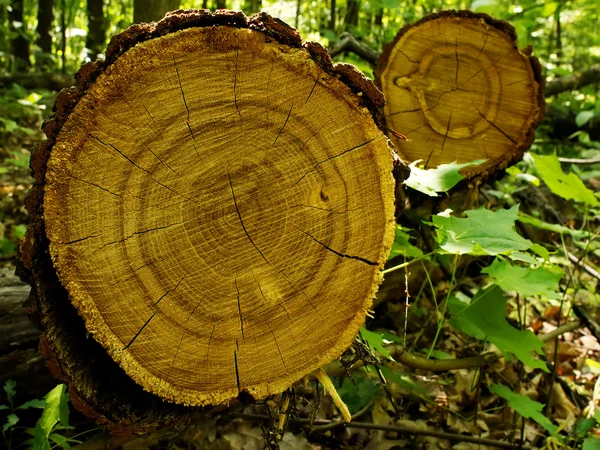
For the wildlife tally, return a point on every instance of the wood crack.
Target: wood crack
(187, 109)
(343, 255)
(333, 157)
(155, 305)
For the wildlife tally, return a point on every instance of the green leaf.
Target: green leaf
(402, 246)
(525, 406)
(583, 426)
(57, 409)
(481, 232)
(19, 231)
(403, 380)
(40, 438)
(4, 407)
(358, 395)
(584, 117)
(440, 179)
(9, 388)
(540, 251)
(376, 342)
(524, 280)
(591, 443)
(485, 318)
(35, 403)
(11, 421)
(569, 187)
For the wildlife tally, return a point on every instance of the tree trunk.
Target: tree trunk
(63, 36)
(45, 17)
(20, 41)
(464, 103)
(351, 18)
(298, 12)
(152, 10)
(96, 36)
(212, 268)
(332, 13)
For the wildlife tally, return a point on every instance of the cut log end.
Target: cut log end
(460, 90)
(218, 206)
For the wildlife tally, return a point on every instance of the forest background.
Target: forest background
(44, 42)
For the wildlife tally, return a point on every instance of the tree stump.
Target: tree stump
(215, 201)
(459, 89)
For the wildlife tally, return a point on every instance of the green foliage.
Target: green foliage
(402, 245)
(591, 443)
(376, 342)
(56, 410)
(569, 187)
(55, 417)
(441, 179)
(483, 317)
(482, 232)
(525, 406)
(526, 281)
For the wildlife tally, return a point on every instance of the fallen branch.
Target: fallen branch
(349, 43)
(589, 269)
(406, 430)
(573, 81)
(579, 161)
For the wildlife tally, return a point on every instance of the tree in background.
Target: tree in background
(19, 40)
(45, 17)
(96, 36)
(152, 10)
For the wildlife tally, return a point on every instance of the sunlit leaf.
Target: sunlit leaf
(524, 280)
(440, 179)
(525, 406)
(569, 187)
(56, 410)
(481, 232)
(485, 318)
(584, 117)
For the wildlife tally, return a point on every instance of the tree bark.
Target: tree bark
(227, 267)
(463, 103)
(152, 10)
(96, 36)
(45, 17)
(20, 41)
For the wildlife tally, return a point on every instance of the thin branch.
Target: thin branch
(405, 430)
(401, 355)
(589, 269)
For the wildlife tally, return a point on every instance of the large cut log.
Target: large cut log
(459, 89)
(215, 201)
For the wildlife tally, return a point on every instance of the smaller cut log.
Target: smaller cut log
(459, 89)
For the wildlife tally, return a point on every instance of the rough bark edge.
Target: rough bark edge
(476, 175)
(109, 396)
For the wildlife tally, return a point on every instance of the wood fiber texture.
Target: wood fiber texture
(216, 201)
(459, 89)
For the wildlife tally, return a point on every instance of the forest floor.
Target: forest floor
(456, 402)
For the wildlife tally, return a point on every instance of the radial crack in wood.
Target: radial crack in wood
(218, 203)
(459, 89)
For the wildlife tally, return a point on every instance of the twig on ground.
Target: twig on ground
(399, 429)
(589, 269)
